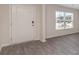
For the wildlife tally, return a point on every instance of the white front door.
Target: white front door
(22, 19)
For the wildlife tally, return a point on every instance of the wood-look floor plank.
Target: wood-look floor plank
(64, 45)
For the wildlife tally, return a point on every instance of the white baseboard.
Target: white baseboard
(43, 40)
(9, 44)
(4, 45)
(51, 36)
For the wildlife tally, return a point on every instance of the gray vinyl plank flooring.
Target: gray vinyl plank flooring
(64, 45)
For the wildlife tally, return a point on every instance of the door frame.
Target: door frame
(10, 23)
(43, 23)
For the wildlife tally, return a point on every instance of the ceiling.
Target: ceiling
(76, 6)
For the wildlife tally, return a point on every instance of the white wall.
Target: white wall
(51, 21)
(4, 24)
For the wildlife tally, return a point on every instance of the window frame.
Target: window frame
(65, 21)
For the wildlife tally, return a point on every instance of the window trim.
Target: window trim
(72, 19)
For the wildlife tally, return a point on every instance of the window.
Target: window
(64, 20)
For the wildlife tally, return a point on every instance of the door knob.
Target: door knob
(32, 23)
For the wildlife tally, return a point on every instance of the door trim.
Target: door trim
(43, 23)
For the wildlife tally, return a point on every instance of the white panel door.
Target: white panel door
(22, 16)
